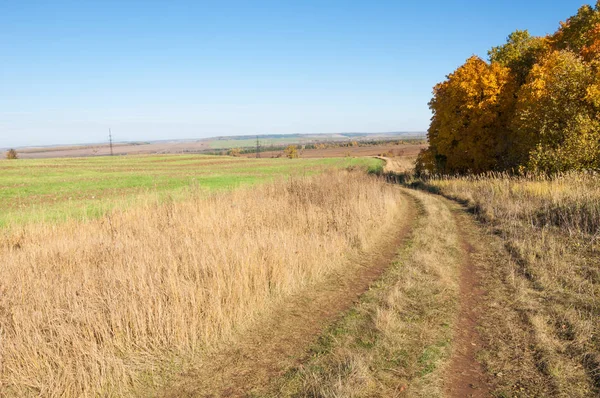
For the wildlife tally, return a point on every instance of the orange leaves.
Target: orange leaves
(468, 107)
(591, 51)
(536, 104)
(573, 34)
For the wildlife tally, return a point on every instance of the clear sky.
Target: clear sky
(69, 70)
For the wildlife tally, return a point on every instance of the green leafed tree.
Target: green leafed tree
(577, 31)
(520, 52)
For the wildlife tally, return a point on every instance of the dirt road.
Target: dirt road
(410, 318)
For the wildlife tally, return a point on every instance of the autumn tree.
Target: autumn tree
(576, 33)
(520, 52)
(556, 120)
(536, 105)
(591, 50)
(291, 151)
(11, 154)
(471, 110)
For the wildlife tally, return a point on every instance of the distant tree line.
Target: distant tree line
(533, 106)
(314, 145)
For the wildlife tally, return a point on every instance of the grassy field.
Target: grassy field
(58, 189)
(108, 306)
(251, 142)
(403, 150)
(550, 226)
(158, 265)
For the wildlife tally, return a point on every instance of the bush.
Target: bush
(291, 151)
(234, 152)
(11, 154)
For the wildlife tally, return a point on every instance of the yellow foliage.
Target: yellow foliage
(469, 122)
(576, 33)
(11, 154)
(234, 152)
(519, 53)
(291, 151)
(555, 117)
(535, 106)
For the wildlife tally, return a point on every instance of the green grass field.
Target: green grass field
(58, 189)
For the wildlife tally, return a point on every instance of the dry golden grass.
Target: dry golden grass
(551, 227)
(109, 306)
(569, 201)
(397, 341)
(403, 164)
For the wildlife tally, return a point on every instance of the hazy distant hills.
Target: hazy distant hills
(202, 145)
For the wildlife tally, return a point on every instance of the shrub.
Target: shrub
(291, 151)
(11, 154)
(234, 152)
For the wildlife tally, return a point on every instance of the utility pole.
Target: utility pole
(257, 148)
(110, 141)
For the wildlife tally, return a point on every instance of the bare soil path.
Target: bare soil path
(279, 342)
(465, 375)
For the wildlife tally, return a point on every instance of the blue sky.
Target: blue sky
(192, 69)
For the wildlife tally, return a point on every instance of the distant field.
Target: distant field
(112, 307)
(265, 142)
(250, 142)
(198, 146)
(140, 148)
(57, 189)
(390, 150)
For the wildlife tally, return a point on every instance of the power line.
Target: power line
(257, 148)
(110, 141)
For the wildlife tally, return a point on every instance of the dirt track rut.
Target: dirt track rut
(466, 376)
(248, 367)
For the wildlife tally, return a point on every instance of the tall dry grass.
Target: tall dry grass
(396, 341)
(105, 307)
(551, 226)
(569, 201)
